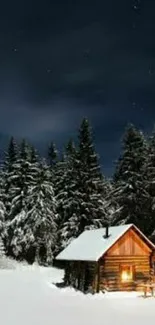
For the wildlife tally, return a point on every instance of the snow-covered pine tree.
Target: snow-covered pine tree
(149, 184)
(89, 188)
(3, 224)
(60, 179)
(21, 178)
(112, 208)
(52, 154)
(10, 159)
(53, 162)
(33, 155)
(11, 154)
(18, 188)
(41, 216)
(129, 193)
(66, 199)
(92, 183)
(5, 184)
(57, 167)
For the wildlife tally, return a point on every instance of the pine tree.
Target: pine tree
(11, 154)
(41, 217)
(8, 170)
(112, 208)
(52, 154)
(33, 155)
(5, 191)
(87, 205)
(149, 184)
(3, 223)
(60, 177)
(53, 160)
(66, 187)
(22, 177)
(93, 184)
(35, 227)
(129, 193)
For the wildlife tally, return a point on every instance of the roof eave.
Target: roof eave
(141, 233)
(76, 260)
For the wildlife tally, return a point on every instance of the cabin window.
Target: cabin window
(127, 273)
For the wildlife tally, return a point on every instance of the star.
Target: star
(136, 5)
(134, 104)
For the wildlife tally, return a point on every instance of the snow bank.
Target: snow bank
(10, 264)
(28, 297)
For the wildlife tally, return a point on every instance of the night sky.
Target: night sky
(61, 61)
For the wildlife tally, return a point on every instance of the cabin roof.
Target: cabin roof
(92, 244)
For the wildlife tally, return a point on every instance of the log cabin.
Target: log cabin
(119, 258)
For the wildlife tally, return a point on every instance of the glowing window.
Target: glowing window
(127, 273)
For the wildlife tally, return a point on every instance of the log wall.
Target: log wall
(110, 275)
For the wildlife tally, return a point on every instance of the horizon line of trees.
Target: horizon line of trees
(46, 203)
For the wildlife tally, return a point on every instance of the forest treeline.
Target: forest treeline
(46, 203)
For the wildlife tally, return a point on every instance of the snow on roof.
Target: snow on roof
(91, 244)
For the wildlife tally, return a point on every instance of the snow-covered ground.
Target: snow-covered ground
(28, 297)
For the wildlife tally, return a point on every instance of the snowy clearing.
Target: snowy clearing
(28, 297)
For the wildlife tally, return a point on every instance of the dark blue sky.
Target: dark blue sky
(61, 61)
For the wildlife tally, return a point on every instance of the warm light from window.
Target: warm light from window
(126, 274)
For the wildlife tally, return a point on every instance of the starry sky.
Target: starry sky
(61, 61)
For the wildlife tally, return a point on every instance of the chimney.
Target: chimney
(106, 232)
